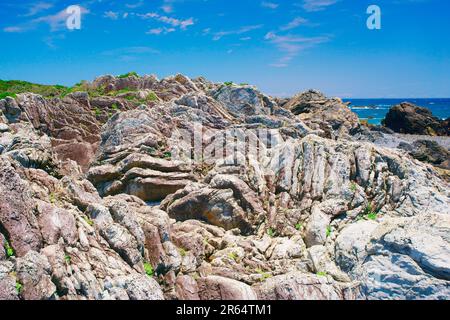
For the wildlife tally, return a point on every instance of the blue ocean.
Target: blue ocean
(375, 110)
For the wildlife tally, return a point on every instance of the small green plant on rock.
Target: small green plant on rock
(88, 220)
(148, 269)
(97, 112)
(322, 274)
(271, 232)
(299, 226)
(9, 250)
(233, 256)
(167, 155)
(370, 213)
(182, 252)
(228, 83)
(329, 231)
(264, 275)
(19, 287)
(67, 258)
(353, 187)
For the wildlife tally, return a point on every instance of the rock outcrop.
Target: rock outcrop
(411, 119)
(150, 189)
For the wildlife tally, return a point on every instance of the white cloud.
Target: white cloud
(294, 24)
(219, 35)
(182, 24)
(167, 8)
(14, 29)
(270, 5)
(37, 8)
(291, 46)
(111, 15)
(158, 31)
(317, 5)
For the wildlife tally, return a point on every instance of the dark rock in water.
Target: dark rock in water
(428, 151)
(411, 119)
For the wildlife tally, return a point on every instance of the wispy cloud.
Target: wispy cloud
(38, 7)
(294, 24)
(127, 54)
(111, 15)
(135, 5)
(219, 35)
(291, 46)
(269, 5)
(162, 30)
(174, 22)
(317, 5)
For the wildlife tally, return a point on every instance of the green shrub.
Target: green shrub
(228, 83)
(115, 107)
(3, 95)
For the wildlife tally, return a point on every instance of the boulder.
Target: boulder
(220, 288)
(409, 118)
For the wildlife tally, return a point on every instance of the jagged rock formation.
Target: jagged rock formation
(102, 196)
(408, 118)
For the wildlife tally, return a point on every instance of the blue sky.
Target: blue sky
(281, 46)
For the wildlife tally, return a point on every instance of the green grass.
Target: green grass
(9, 250)
(152, 97)
(115, 107)
(127, 75)
(148, 269)
(13, 87)
(7, 94)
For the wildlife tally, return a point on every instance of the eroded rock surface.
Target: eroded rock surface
(103, 197)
